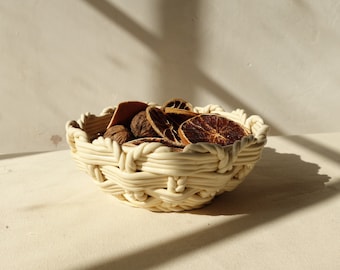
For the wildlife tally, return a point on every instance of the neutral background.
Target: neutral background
(59, 58)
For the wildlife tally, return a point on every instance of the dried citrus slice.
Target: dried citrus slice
(179, 104)
(125, 111)
(178, 116)
(211, 128)
(162, 124)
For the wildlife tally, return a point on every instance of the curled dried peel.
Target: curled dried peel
(125, 111)
(211, 128)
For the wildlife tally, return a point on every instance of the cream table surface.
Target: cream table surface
(286, 215)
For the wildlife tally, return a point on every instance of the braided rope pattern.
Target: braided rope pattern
(154, 177)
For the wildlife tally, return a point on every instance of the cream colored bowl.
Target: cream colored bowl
(154, 177)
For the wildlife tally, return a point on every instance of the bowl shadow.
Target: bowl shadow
(279, 185)
(278, 181)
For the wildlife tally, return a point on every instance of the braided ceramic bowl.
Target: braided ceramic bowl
(152, 175)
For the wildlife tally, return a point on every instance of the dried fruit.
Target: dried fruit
(179, 104)
(211, 128)
(178, 116)
(125, 111)
(162, 124)
(175, 124)
(118, 133)
(141, 127)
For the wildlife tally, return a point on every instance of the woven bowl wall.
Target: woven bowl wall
(152, 175)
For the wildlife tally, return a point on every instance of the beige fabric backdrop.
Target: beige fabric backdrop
(61, 58)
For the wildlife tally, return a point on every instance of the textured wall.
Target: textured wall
(61, 58)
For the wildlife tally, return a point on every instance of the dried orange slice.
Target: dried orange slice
(125, 111)
(178, 116)
(162, 124)
(178, 103)
(211, 128)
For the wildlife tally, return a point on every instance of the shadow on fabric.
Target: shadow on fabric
(279, 185)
